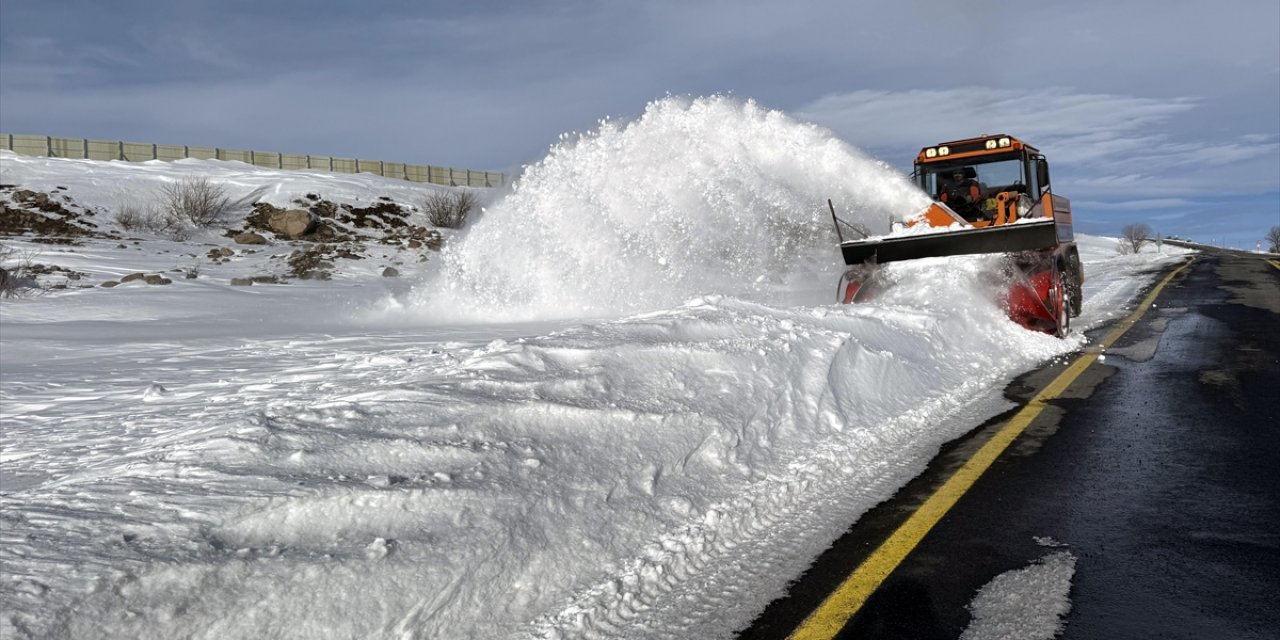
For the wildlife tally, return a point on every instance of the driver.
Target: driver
(963, 191)
(967, 196)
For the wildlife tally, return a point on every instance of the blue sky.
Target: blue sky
(1162, 112)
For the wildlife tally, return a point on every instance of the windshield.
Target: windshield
(992, 176)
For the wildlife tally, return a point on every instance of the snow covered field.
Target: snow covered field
(621, 404)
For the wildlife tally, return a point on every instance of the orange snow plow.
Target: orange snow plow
(991, 196)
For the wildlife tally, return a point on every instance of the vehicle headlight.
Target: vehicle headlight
(930, 153)
(944, 151)
(1004, 142)
(991, 144)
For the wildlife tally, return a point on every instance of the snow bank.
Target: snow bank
(571, 482)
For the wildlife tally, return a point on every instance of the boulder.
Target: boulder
(241, 282)
(157, 279)
(250, 237)
(133, 276)
(390, 272)
(292, 223)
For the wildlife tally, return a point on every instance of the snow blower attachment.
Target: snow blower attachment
(991, 196)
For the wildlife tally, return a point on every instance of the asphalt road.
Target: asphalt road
(1159, 469)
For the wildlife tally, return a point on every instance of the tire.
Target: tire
(1059, 301)
(1074, 293)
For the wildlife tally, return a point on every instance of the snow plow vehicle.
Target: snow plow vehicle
(991, 195)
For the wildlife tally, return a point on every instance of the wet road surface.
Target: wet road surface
(1159, 470)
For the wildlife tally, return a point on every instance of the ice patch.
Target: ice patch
(1025, 604)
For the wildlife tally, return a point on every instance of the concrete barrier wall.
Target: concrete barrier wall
(81, 148)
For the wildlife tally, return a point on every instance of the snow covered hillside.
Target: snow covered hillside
(620, 404)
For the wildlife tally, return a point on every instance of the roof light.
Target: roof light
(1004, 142)
(991, 144)
(930, 153)
(944, 151)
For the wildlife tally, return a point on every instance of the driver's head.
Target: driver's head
(957, 175)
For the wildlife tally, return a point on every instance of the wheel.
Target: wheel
(859, 284)
(850, 284)
(1075, 296)
(1058, 302)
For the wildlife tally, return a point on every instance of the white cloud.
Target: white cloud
(1103, 146)
(1133, 205)
(1257, 137)
(889, 118)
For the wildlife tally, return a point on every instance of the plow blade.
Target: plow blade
(1041, 234)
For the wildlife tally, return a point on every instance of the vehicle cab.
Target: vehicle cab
(1009, 178)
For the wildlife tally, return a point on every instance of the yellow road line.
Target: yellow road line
(830, 617)
(1274, 263)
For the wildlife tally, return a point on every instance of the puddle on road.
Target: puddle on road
(1145, 346)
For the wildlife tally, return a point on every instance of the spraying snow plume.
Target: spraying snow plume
(705, 195)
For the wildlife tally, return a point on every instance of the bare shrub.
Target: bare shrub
(129, 218)
(1133, 237)
(134, 216)
(195, 200)
(1273, 238)
(8, 280)
(16, 279)
(449, 209)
